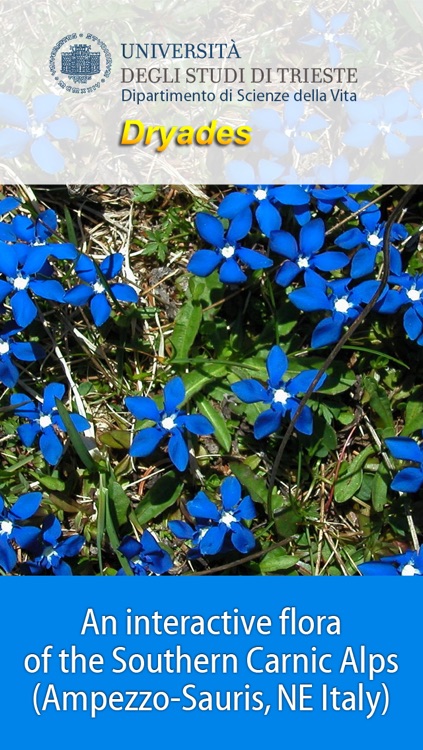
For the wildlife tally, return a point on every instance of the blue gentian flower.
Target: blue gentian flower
(49, 552)
(44, 420)
(8, 204)
(371, 236)
(35, 128)
(325, 33)
(25, 351)
(335, 297)
(306, 253)
(169, 421)
(216, 529)
(227, 252)
(11, 529)
(408, 564)
(293, 130)
(145, 556)
(265, 199)
(408, 293)
(407, 449)
(34, 233)
(385, 117)
(20, 272)
(93, 289)
(279, 394)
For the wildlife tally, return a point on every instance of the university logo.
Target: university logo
(80, 63)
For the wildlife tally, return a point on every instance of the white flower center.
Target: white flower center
(227, 519)
(202, 533)
(36, 129)
(374, 240)
(21, 282)
(329, 37)
(260, 194)
(289, 132)
(281, 396)
(44, 421)
(6, 527)
(4, 347)
(302, 262)
(50, 553)
(228, 251)
(168, 423)
(384, 128)
(136, 561)
(98, 287)
(342, 305)
(410, 570)
(414, 294)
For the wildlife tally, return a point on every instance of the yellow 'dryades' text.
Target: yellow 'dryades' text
(134, 132)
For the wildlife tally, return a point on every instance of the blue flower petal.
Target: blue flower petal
(13, 111)
(302, 382)
(51, 392)
(268, 217)
(146, 441)
(276, 365)
(9, 374)
(309, 299)
(178, 451)
(79, 295)
(25, 536)
(51, 290)
(203, 508)
(44, 106)
(124, 292)
(242, 538)
(79, 422)
(408, 480)
(173, 395)
(210, 229)
(51, 530)
(330, 261)
(377, 569)
(23, 308)
(8, 260)
(212, 541)
(328, 331)
(287, 273)
(100, 309)
(25, 506)
(197, 424)
(46, 156)
(129, 547)
(230, 273)
(112, 265)
(404, 448)
(7, 554)
(230, 491)
(412, 324)
(181, 529)
(142, 407)
(239, 226)
(70, 546)
(250, 391)
(291, 195)
(312, 236)
(304, 423)
(246, 509)
(86, 270)
(285, 244)
(234, 203)
(267, 422)
(28, 432)
(12, 142)
(253, 259)
(50, 446)
(204, 262)
(63, 127)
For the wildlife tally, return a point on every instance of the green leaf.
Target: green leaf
(70, 227)
(120, 439)
(379, 402)
(256, 486)
(413, 414)
(203, 375)
(221, 432)
(164, 493)
(186, 327)
(52, 483)
(380, 487)
(76, 438)
(144, 193)
(276, 560)
(351, 476)
(120, 502)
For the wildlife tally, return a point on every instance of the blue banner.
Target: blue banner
(212, 661)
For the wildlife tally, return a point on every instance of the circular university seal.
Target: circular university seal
(80, 63)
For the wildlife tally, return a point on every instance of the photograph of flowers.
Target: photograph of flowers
(211, 380)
